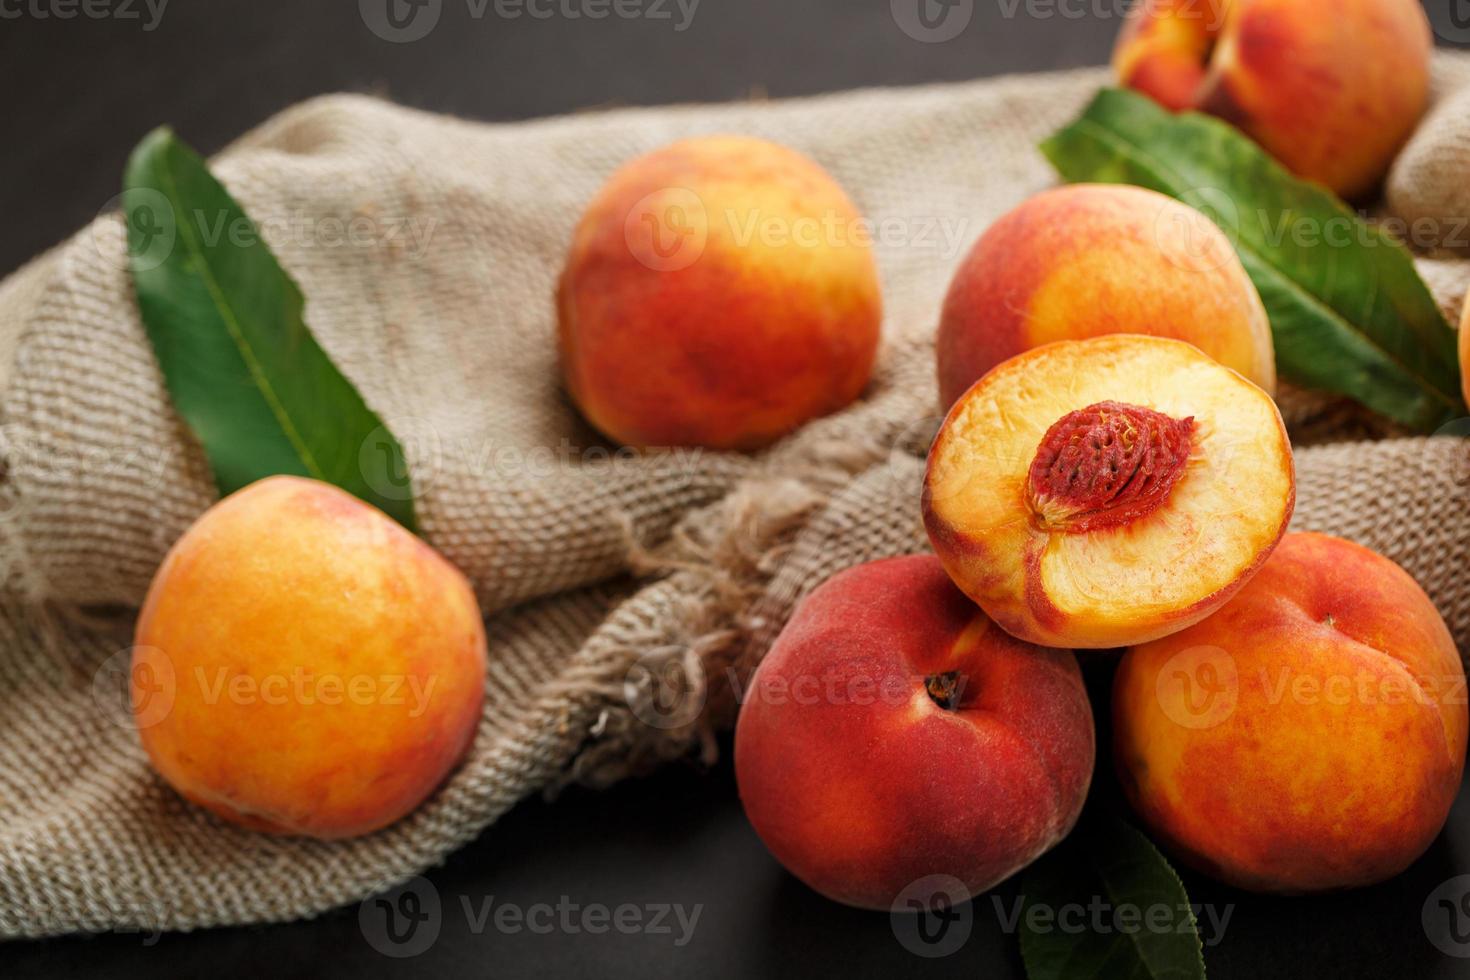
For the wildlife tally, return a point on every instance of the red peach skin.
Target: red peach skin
(861, 780)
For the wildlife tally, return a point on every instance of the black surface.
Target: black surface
(78, 95)
(680, 838)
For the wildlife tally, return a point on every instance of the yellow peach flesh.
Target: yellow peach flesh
(1118, 585)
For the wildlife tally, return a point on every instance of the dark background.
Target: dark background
(80, 92)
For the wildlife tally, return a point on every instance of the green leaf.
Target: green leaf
(1107, 906)
(1348, 310)
(226, 325)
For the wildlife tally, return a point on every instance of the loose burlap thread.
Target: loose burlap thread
(628, 597)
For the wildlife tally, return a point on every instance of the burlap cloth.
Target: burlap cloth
(623, 594)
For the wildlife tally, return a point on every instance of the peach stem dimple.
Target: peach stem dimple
(1107, 465)
(945, 689)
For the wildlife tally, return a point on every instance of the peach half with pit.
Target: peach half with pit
(1100, 493)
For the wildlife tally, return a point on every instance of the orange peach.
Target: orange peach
(1331, 88)
(1308, 736)
(1093, 259)
(1100, 493)
(1465, 351)
(719, 292)
(893, 733)
(304, 665)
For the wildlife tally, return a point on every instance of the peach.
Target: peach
(1331, 88)
(1099, 493)
(892, 733)
(1464, 340)
(1093, 259)
(719, 292)
(304, 665)
(1308, 736)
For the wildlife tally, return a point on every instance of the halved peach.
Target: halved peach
(1105, 492)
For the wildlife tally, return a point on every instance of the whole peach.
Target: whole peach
(719, 292)
(1308, 736)
(304, 665)
(1092, 259)
(1331, 88)
(893, 732)
(1465, 351)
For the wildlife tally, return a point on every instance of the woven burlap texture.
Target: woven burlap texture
(626, 597)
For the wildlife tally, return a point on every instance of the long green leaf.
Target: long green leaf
(1107, 906)
(1348, 310)
(226, 325)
